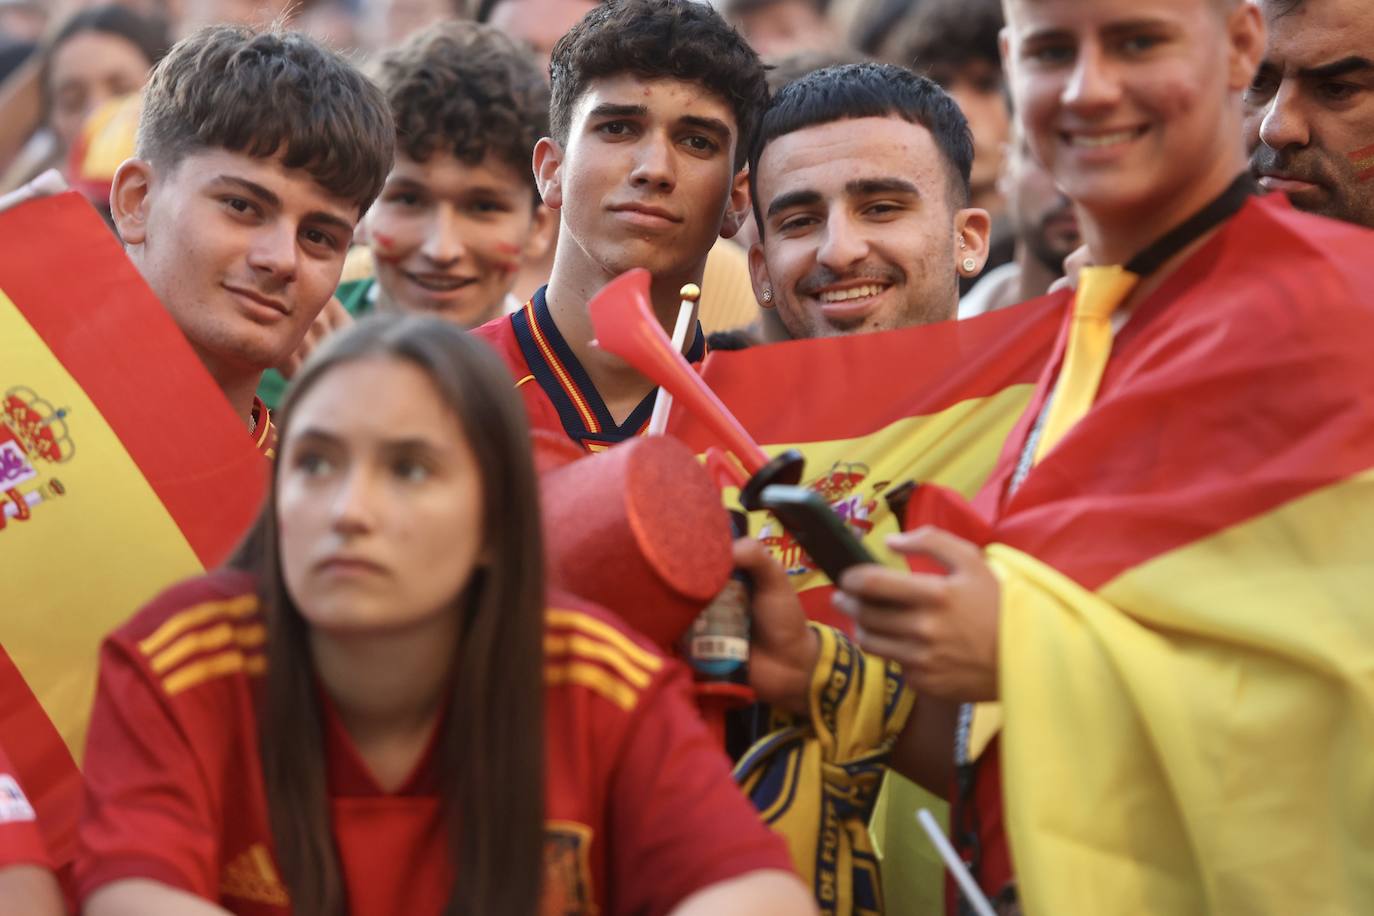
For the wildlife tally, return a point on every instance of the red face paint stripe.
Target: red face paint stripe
(1366, 153)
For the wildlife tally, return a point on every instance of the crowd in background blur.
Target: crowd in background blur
(70, 70)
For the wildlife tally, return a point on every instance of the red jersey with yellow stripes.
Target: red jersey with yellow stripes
(559, 395)
(20, 841)
(640, 808)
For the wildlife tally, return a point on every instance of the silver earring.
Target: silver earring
(969, 265)
(768, 294)
(962, 244)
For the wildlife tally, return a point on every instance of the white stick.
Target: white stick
(955, 865)
(658, 421)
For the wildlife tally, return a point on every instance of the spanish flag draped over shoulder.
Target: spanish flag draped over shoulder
(931, 404)
(122, 469)
(1187, 639)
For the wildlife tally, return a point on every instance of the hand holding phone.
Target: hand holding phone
(820, 532)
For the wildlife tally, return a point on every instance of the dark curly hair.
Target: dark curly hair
(659, 39)
(269, 93)
(466, 89)
(868, 90)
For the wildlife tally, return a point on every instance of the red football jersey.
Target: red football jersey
(21, 843)
(640, 808)
(559, 395)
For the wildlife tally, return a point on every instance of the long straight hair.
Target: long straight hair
(492, 739)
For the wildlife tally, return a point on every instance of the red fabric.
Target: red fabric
(21, 842)
(1242, 383)
(83, 297)
(641, 811)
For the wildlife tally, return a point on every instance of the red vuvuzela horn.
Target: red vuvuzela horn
(625, 325)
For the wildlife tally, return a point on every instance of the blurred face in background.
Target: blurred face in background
(977, 88)
(393, 21)
(23, 20)
(87, 70)
(783, 27)
(539, 23)
(196, 13)
(1041, 216)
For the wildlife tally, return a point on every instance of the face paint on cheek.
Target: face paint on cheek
(1363, 160)
(512, 252)
(385, 248)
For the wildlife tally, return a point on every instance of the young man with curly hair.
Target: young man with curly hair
(459, 217)
(653, 108)
(459, 213)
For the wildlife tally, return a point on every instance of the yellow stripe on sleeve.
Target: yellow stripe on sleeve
(595, 650)
(249, 636)
(560, 617)
(593, 677)
(229, 662)
(192, 617)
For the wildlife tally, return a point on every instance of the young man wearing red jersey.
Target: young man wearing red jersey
(654, 102)
(238, 215)
(27, 885)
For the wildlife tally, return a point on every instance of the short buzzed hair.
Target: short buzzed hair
(269, 93)
(869, 90)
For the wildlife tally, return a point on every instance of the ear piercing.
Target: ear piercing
(969, 265)
(768, 294)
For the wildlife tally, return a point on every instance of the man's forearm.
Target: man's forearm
(924, 751)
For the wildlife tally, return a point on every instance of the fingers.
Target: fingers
(952, 551)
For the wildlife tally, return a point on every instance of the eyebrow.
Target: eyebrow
(859, 187)
(392, 445)
(1343, 67)
(792, 199)
(611, 110)
(714, 126)
(863, 187)
(270, 198)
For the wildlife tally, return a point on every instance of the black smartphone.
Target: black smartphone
(819, 531)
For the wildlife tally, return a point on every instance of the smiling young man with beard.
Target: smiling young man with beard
(860, 178)
(1310, 112)
(1162, 614)
(653, 106)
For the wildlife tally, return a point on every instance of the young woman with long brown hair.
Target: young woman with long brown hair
(382, 711)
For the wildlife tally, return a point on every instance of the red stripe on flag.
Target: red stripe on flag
(1243, 383)
(844, 388)
(76, 287)
(41, 761)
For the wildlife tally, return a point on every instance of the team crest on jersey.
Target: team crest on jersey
(855, 502)
(33, 438)
(14, 806)
(567, 870)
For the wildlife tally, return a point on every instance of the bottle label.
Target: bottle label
(718, 641)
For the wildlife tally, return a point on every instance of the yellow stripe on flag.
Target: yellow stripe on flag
(1195, 737)
(67, 580)
(956, 448)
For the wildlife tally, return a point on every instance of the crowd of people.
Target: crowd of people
(379, 225)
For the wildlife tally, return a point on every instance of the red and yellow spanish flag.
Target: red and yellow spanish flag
(1187, 643)
(932, 404)
(122, 469)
